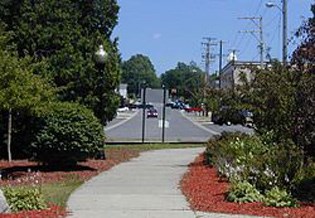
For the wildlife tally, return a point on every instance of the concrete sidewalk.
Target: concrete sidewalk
(145, 187)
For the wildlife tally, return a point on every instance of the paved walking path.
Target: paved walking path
(145, 187)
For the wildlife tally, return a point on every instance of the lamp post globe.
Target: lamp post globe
(270, 4)
(101, 55)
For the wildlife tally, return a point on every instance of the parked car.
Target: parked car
(147, 106)
(169, 104)
(228, 116)
(246, 117)
(152, 113)
(179, 105)
(122, 109)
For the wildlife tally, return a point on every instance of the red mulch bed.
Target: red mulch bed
(23, 172)
(205, 191)
(52, 212)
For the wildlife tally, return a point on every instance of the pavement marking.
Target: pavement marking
(122, 122)
(199, 125)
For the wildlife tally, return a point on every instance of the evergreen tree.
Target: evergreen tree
(62, 36)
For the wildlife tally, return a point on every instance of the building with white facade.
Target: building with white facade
(231, 73)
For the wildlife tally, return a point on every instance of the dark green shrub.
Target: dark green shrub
(304, 189)
(304, 129)
(243, 192)
(255, 159)
(235, 155)
(69, 133)
(279, 198)
(23, 198)
(267, 169)
(285, 161)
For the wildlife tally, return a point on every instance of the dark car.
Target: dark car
(152, 112)
(169, 104)
(227, 115)
(246, 117)
(147, 106)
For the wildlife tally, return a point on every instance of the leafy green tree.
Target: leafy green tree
(188, 81)
(271, 97)
(137, 70)
(66, 34)
(20, 89)
(303, 60)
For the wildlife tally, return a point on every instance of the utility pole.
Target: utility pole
(285, 31)
(220, 63)
(260, 39)
(284, 11)
(208, 56)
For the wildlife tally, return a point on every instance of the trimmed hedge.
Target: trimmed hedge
(68, 133)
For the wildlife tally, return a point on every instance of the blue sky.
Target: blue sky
(171, 31)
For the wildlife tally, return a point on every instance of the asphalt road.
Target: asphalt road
(182, 128)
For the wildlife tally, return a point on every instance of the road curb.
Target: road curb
(121, 122)
(199, 125)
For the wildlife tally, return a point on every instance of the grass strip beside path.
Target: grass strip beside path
(57, 185)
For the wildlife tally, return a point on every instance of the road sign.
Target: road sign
(166, 125)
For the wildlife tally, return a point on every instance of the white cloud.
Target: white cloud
(157, 35)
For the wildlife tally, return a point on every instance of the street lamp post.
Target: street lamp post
(284, 11)
(163, 115)
(143, 111)
(100, 59)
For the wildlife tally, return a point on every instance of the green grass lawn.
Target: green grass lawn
(58, 193)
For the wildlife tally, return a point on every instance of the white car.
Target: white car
(123, 109)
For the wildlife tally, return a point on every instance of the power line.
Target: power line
(258, 8)
(247, 44)
(275, 32)
(237, 45)
(208, 56)
(259, 24)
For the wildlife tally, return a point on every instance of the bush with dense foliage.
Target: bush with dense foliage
(67, 134)
(255, 160)
(235, 155)
(23, 198)
(305, 184)
(279, 198)
(243, 192)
